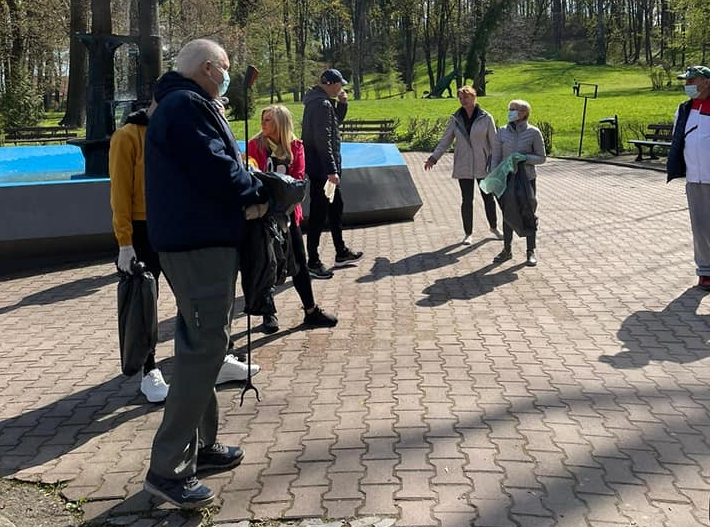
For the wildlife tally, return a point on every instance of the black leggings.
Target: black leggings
(489, 204)
(301, 278)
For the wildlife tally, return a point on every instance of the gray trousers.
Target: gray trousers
(699, 207)
(203, 282)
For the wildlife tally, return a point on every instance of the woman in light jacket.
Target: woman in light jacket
(521, 137)
(473, 130)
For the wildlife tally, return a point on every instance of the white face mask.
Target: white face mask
(512, 115)
(224, 85)
(691, 90)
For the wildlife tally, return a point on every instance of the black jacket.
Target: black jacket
(196, 185)
(519, 203)
(321, 134)
(675, 164)
(268, 243)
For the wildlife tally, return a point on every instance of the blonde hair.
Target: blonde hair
(283, 121)
(520, 103)
(467, 89)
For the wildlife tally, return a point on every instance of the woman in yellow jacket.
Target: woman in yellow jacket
(125, 166)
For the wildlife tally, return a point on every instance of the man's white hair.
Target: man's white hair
(195, 53)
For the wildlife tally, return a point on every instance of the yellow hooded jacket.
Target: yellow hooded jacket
(127, 172)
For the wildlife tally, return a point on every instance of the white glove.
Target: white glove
(126, 255)
(329, 189)
(255, 211)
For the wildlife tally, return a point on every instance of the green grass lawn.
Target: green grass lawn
(622, 90)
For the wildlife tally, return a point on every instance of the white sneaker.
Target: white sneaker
(153, 386)
(468, 240)
(234, 370)
(495, 232)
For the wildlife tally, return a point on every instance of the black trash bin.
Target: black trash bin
(609, 135)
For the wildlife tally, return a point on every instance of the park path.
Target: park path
(453, 392)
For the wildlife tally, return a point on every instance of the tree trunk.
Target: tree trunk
(408, 52)
(601, 37)
(557, 28)
(359, 9)
(301, 28)
(75, 115)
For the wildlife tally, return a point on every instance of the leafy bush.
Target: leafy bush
(661, 77)
(20, 104)
(235, 94)
(423, 134)
(546, 130)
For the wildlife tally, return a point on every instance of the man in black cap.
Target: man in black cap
(689, 157)
(321, 141)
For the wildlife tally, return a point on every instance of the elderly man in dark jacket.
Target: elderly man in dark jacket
(198, 198)
(321, 141)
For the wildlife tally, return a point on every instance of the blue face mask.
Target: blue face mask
(691, 90)
(512, 115)
(224, 85)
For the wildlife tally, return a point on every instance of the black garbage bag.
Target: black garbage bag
(285, 192)
(137, 317)
(263, 262)
(266, 254)
(519, 204)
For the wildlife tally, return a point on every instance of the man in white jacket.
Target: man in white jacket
(690, 157)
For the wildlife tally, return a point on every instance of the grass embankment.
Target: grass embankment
(622, 90)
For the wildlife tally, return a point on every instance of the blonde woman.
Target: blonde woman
(473, 130)
(276, 149)
(521, 137)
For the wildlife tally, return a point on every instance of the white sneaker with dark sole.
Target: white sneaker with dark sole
(154, 387)
(234, 370)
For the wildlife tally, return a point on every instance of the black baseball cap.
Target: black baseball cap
(332, 76)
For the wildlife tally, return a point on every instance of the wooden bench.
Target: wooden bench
(38, 134)
(383, 129)
(659, 135)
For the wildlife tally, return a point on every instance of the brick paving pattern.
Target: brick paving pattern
(453, 392)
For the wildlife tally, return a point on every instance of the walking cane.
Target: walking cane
(249, 78)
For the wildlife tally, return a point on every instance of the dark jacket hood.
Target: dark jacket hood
(174, 81)
(316, 93)
(139, 117)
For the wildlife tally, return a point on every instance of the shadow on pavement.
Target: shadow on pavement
(469, 286)
(61, 293)
(420, 262)
(44, 434)
(675, 334)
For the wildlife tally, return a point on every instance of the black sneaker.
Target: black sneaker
(319, 319)
(503, 256)
(347, 257)
(531, 260)
(186, 493)
(319, 271)
(270, 324)
(219, 457)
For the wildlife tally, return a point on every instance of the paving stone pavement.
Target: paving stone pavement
(453, 392)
